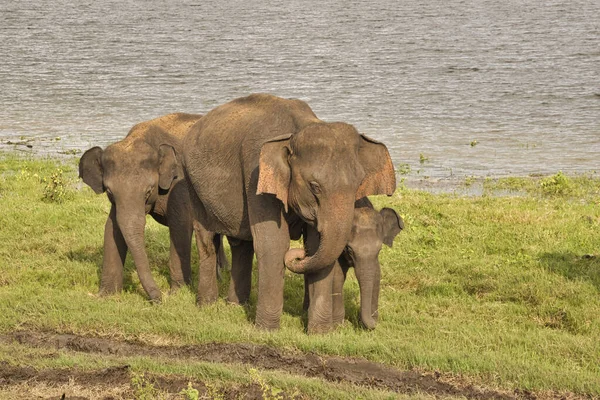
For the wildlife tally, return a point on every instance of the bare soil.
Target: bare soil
(106, 380)
(352, 371)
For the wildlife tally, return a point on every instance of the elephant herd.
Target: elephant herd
(260, 170)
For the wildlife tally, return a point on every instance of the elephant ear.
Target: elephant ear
(380, 177)
(273, 168)
(167, 169)
(90, 169)
(392, 225)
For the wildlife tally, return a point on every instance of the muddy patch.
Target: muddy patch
(334, 369)
(110, 384)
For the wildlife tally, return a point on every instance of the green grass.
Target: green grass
(504, 291)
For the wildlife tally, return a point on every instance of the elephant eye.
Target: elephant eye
(315, 187)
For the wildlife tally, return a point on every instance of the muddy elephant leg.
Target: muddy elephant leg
(179, 258)
(339, 277)
(115, 251)
(271, 239)
(208, 290)
(242, 253)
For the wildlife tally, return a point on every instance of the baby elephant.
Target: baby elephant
(142, 174)
(370, 229)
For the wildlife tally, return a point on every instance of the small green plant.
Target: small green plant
(143, 389)
(401, 184)
(25, 174)
(423, 159)
(55, 187)
(474, 143)
(404, 169)
(268, 392)
(213, 391)
(71, 152)
(190, 393)
(558, 184)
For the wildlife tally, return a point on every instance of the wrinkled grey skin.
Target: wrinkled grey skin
(261, 164)
(370, 230)
(142, 174)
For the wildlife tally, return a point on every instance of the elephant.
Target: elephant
(260, 165)
(142, 174)
(370, 230)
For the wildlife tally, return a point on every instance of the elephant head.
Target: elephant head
(134, 173)
(318, 173)
(370, 230)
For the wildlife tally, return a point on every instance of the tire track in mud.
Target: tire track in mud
(330, 368)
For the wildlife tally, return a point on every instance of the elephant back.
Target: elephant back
(176, 124)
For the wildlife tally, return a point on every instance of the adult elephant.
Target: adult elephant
(142, 174)
(260, 165)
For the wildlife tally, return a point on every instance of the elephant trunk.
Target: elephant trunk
(132, 224)
(324, 247)
(368, 274)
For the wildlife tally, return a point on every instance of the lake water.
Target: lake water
(519, 81)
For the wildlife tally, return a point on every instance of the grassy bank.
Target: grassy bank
(499, 291)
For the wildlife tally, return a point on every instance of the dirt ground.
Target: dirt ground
(115, 382)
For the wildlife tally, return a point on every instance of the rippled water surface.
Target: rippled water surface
(521, 82)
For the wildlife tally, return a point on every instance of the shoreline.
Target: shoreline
(458, 184)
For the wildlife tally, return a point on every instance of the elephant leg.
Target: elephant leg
(242, 253)
(179, 258)
(222, 262)
(271, 240)
(375, 298)
(320, 309)
(208, 290)
(339, 277)
(180, 222)
(306, 302)
(320, 290)
(115, 251)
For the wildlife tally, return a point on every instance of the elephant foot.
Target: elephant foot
(110, 286)
(155, 297)
(319, 328)
(205, 300)
(237, 301)
(338, 320)
(103, 292)
(267, 324)
(267, 327)
(368, 323)
(238, 295)
(175, 286)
